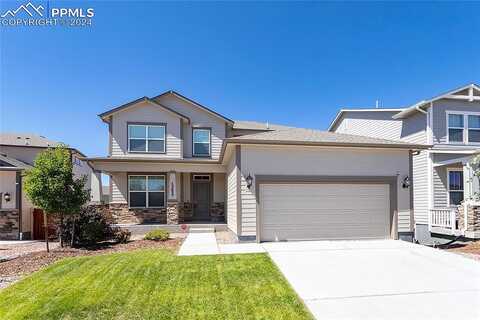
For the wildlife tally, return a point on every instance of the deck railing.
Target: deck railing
(443, 218)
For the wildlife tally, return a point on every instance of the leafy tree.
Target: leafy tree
(51, 186)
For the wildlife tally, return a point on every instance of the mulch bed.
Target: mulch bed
(35, 261)
(471, 249)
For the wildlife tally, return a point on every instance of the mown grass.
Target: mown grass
(154, 284)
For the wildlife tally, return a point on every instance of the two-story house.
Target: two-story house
(171, 160)
(442, 176)
(19, 219)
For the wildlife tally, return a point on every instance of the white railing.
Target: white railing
(443, 218)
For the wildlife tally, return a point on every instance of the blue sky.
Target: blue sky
(289, 63)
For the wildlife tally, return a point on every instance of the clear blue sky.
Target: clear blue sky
(289, 63)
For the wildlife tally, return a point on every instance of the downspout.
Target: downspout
(19, 196)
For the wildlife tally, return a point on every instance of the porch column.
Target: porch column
(470, 187)
(172, 201)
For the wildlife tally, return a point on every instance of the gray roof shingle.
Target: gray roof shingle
(26, 139)
(316, 137)
(254, 125)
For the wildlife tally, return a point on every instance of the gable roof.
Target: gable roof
(343, 111)
(8, 163)
(300, 136)
(104, 116)
(198, 105)
(453, 94)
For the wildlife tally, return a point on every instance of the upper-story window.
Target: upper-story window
(463, 128)
(474, 128)
(201, 142)
(146, 138)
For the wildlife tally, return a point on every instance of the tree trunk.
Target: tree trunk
(72, 242)
(60, 230)
(45, 225)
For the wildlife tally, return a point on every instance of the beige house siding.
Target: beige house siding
(257, 160)
(119, 187)
(148, 113)
(231, 204)
(218, 187)
(200, 119)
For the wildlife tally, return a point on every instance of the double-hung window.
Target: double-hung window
(474, 128)
(201, 142)
(455, 128)
(146, 138)
(146, 191)
(455, 187)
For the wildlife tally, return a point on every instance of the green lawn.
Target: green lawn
(154, 284)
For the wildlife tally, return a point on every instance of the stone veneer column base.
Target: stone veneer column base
(172, 212)
(9, 224)
(473, 218)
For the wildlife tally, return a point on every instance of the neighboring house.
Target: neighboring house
(18, 217)
(172, 160)
(442, 177)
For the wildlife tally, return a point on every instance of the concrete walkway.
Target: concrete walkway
(206, 244)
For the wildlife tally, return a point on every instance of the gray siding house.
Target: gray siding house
(443, 181)
(173, 161)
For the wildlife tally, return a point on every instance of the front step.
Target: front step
(201, 229)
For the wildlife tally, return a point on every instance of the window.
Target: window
(146, 138)
(473, 128)
(455, 187)
(455, 128)
(146, 191)
(201, 142)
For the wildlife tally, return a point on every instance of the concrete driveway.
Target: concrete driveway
(382, 279)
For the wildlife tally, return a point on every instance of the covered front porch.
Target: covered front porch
(455, 210)
(165, 192)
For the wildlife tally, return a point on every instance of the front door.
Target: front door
(201, 200)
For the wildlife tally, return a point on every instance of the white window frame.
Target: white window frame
(146, 191)
(146, 125)
(448, 184)
(209, 142)
(465, 127)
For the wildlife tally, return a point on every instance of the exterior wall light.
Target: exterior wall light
(406, 182)
(7, 197)
(249, 181)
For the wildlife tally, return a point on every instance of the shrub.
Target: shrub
(89, 227)
(157, 235)
(121, 235)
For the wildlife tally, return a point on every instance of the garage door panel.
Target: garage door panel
(324, 211)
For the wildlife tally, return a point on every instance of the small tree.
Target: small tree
(51, 186)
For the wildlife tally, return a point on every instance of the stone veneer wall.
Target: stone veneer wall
(174, 213)
(122, 214)
(9, 224)
(473, 218)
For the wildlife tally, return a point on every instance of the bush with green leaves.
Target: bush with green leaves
(157, 235)
(89, 227)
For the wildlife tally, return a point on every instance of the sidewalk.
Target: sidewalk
(206, 244)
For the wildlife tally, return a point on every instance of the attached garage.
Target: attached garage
(324, 211)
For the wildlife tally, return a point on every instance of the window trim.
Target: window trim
(146, 175)
(448, 185)
(209, 142)
(147, 124)
(465, 128)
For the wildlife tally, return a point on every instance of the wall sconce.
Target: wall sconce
(406, 182)
(249, 181)
(7, 197)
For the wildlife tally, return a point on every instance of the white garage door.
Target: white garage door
(324, 211)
